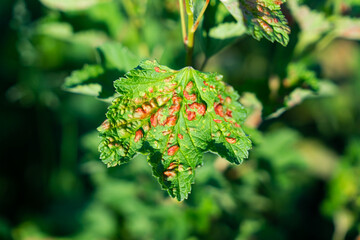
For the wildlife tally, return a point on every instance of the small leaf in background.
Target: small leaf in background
(89, 74)
(222, 35)
(218, 32)
(298, 74)
(71, 5)
(298, 95)
(319, 29)
(116, 56)
(263, 18)
(303, 84)
(174, 116)
(97, 80)
(64, 32)
(348, 28)
(233, 6)
(312, 23)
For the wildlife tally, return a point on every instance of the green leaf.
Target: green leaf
(347, 27)
(115, 56)
(71, 5)
(312, 23)
(64, 32)
(173, 116)
(97, 80)
(319, 29)
(298, 95)
(222, 35)
(298, 74)
(217, 32)
(233, 6)
(89, 74)
(263, 18)
(300, 84)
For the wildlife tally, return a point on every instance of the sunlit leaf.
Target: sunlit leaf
(71, 5)
(217, 31)
(222, 35)
(64, 31)
(173, 116)
(116, 56)
(348, 28)
(299, 74)
(263, 18)
(312, 23)
(317, 26)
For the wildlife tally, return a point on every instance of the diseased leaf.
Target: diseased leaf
(263, 18)
(173, 116)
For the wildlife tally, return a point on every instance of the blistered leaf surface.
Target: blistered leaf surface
(263, 18)
(173, 116)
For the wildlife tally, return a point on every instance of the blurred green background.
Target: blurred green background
(301, 181)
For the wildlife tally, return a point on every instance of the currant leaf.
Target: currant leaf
(263, 18)
(173, 116)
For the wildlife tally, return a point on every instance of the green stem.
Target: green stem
(182, 15)
(190, 37)
(196, 24)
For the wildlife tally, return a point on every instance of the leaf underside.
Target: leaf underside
(173, 116)
(263, 18)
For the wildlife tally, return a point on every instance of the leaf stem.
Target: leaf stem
(183, 27)
(196, 24)
(190, 37)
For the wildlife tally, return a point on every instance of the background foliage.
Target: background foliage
(301, 180)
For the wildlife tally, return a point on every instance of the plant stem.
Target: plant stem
(190, 37)
(183, 27)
